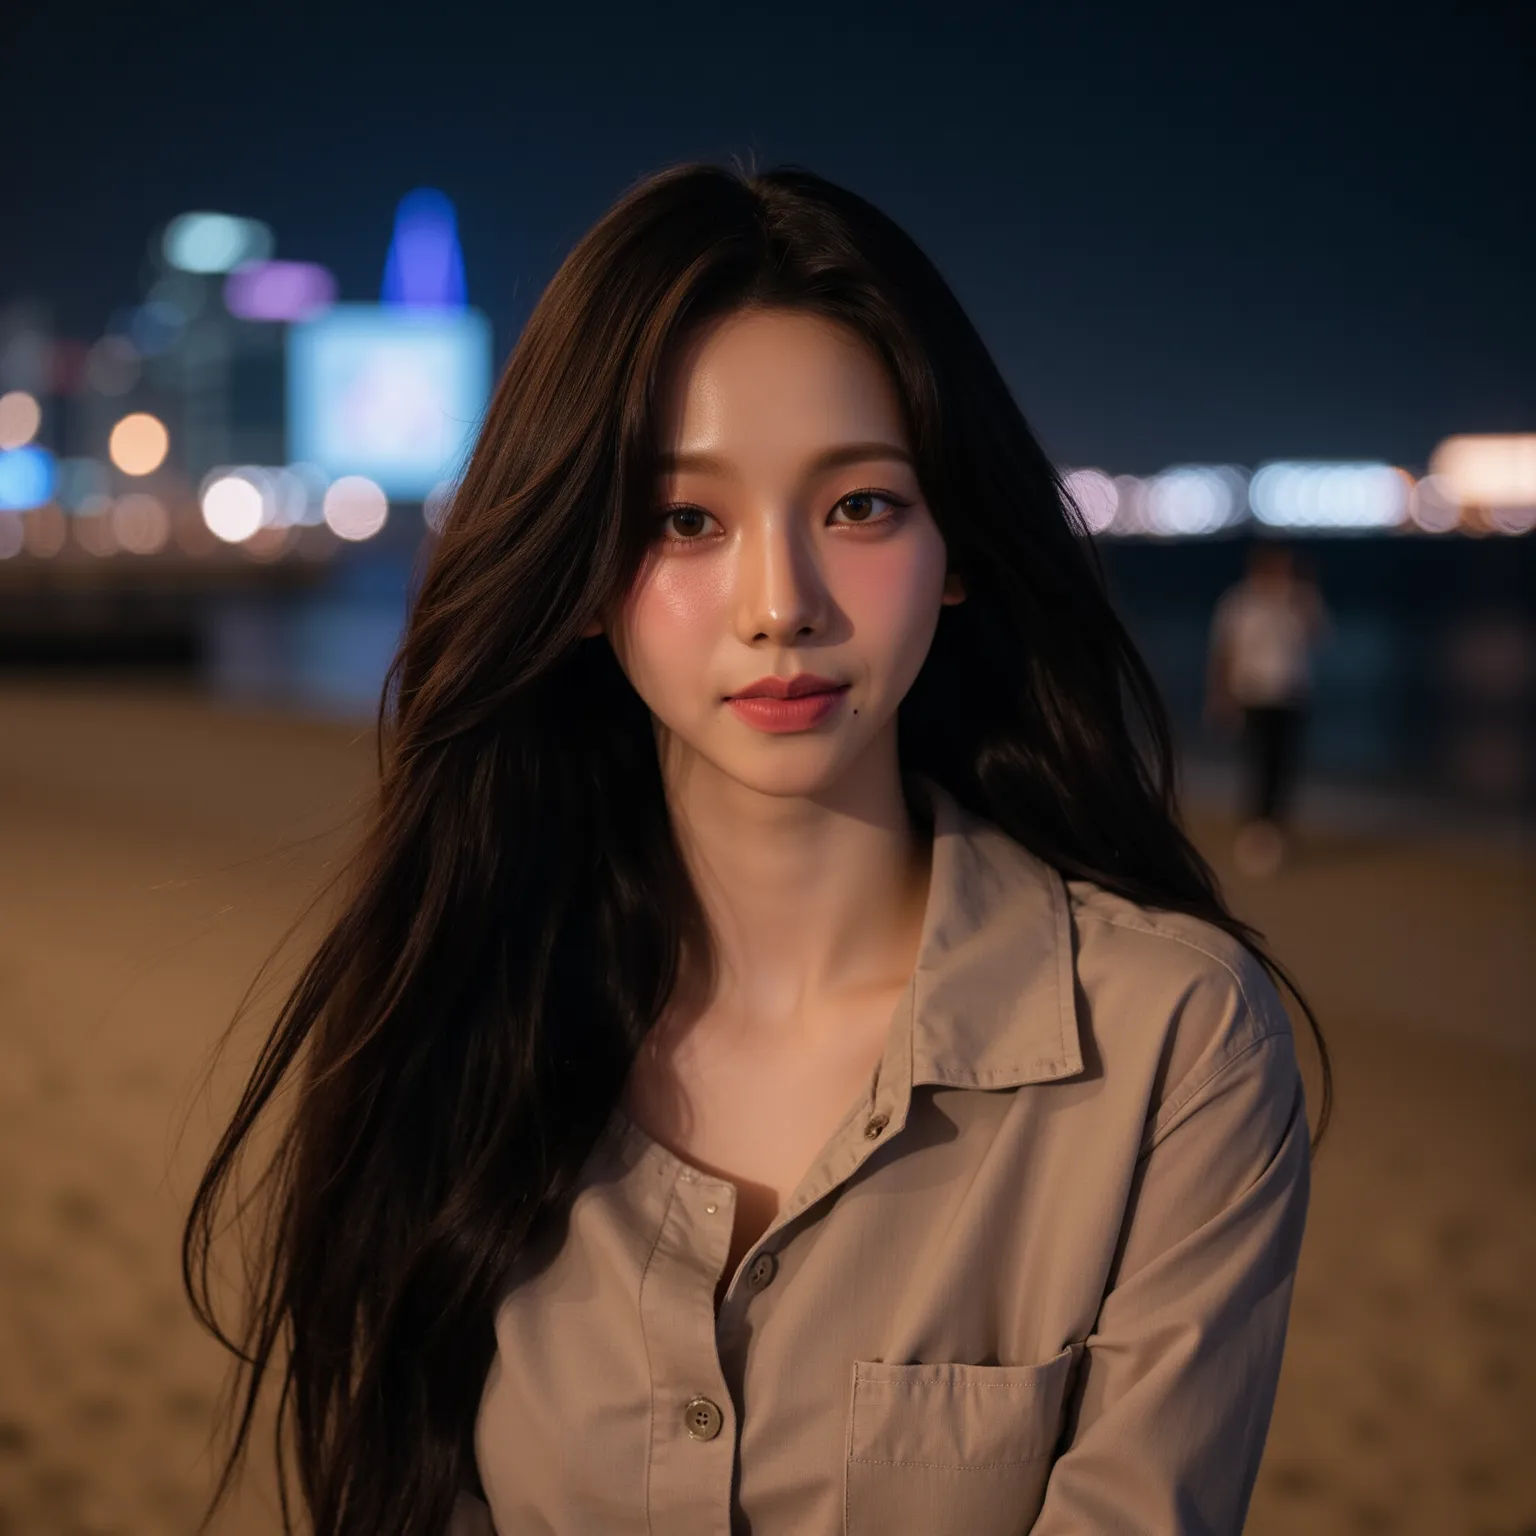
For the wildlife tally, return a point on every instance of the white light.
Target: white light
(1320, 495)
(1094, 495)
(1193, 499)
(233, 508)
(20, 417)
(355, 508)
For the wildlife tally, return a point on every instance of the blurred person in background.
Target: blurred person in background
(1259, 683)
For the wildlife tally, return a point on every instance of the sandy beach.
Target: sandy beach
(154, 849)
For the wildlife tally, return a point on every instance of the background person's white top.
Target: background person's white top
(1267, 632)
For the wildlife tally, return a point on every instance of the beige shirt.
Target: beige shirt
(1037, 1280)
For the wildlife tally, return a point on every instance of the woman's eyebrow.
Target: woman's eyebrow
(828, 458)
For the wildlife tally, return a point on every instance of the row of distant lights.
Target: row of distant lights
(1194, 499)
(236, 503)
(250, 506)
(1496, 474)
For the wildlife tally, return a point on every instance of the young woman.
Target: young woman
(780, 1066)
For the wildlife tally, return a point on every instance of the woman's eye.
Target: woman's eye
(862, 505)
(689, 519)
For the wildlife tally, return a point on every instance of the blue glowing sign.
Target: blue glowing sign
(425, 265)
(395, 394)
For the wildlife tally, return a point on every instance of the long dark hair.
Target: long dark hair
(511, 925)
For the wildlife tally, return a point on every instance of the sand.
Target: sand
(153, 851)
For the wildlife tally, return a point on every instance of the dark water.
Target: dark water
(1428, 682)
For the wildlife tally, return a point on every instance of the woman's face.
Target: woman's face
(790, 537)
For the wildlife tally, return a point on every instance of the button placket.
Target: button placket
(692, 1444)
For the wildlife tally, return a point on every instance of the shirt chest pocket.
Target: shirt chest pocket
(962, 1449)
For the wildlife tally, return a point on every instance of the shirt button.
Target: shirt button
(875, 1125)
(702, 1418)
(762, 1270)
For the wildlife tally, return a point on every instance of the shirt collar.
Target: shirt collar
(992, 1003)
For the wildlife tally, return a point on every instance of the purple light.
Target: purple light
(279, 290)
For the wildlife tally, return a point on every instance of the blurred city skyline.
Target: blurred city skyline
(1184, 237)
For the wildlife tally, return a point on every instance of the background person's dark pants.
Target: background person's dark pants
(1271, 756)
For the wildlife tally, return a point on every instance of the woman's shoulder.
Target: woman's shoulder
(1184, 947)
(1186, 987)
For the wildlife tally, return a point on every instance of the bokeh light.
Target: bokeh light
(27, 478)
(1130, 504)
(1497, 470)
(355, 507)
(92, 527)
(214, 242)
(1289, 494)
(279, 290)
(141, 523)
(1094, 494)
(1194, 499)
(233, 507)
(314, 482)
(1432, 505)
(139, 444)
(10, 535)
(44, 530)
(20, 417)
(1512, 520)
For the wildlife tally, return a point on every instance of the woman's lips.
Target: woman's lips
(778, 716)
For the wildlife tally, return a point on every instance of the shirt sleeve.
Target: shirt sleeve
(1170, 1411)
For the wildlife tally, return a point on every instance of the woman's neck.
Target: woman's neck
(809, 899)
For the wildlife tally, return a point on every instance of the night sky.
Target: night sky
(1232, 232)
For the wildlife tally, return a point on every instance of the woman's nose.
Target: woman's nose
(781, 594)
